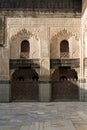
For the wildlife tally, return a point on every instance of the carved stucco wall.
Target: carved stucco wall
(16, 40)
(15, 44)
(44, 36)
(41, 32)
(73, 40)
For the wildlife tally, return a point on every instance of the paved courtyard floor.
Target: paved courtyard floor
(43, 116)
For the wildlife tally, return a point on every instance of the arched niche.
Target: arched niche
(31, 40)
(73, 44)
(64, 49)
(25, 49)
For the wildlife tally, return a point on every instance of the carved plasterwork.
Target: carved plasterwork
(16, 40)
(64, 35)
(23, 33)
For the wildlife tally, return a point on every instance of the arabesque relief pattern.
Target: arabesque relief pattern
(74, 44)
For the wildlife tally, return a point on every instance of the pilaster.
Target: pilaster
(44, 86)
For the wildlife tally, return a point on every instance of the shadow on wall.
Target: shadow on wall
(65, 90)
(64, 73)
(64, 85)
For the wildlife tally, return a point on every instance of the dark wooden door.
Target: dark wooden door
(25, 91)
(65, 90)
(65, 84)
(24, 86)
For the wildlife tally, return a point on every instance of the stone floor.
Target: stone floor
(43, 116)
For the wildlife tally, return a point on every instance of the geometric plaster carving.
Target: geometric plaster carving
(18, 38)
(56, 40)
(23, 33)
(63, 34)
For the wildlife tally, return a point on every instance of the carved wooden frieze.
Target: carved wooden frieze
(55, 63)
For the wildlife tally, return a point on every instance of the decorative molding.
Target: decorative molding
(63, 34)
(21, 33)
(55, 63)
(24, 33)
(24, 63)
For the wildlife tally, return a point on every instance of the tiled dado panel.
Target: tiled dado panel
(4, 91)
